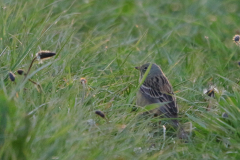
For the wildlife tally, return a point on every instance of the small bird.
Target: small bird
(157, 89)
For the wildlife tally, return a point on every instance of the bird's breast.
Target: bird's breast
(144, 100)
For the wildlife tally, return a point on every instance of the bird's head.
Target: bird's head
(155, 70)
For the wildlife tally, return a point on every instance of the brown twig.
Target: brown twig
(30, 67)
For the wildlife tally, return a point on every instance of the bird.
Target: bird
(156, 89)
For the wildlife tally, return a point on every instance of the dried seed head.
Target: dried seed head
(236, 39)
(225, 115)
(100, 113)
(210, 93)
(83, 81)
(12, 76)
(20, 71)
(43, 55)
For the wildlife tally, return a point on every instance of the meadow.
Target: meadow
(102, 41)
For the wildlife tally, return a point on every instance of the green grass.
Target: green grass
(103, 41)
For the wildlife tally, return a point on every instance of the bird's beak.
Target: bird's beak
(138, 68)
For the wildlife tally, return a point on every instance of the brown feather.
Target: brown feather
(157, 89)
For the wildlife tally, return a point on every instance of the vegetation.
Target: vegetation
(50, 113)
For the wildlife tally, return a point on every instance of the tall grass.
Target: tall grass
(103, 41)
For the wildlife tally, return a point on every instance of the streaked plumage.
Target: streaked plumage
(157, 89)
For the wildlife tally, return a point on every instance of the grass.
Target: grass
(103, 41)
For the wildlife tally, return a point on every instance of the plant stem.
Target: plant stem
(30, 67)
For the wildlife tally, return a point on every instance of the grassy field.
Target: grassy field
(103, 41)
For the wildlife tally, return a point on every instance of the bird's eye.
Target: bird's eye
(145, 68)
